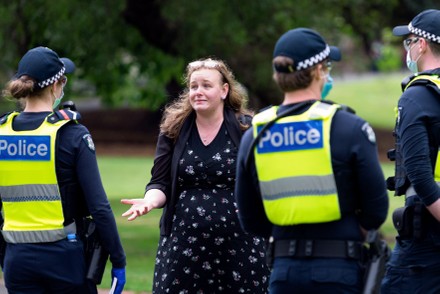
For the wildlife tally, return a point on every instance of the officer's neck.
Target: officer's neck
(300, 96)
(37, 105)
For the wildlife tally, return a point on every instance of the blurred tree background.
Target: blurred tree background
(133, 53)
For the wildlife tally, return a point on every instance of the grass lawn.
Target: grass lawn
(373, 96)
(126, 177)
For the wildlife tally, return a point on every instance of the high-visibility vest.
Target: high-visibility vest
(293, 163)
(29, 191)
(434, 80)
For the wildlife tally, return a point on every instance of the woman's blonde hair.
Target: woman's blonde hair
(177, 111)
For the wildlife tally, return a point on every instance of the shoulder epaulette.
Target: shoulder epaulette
(63, 114)
(4, 117)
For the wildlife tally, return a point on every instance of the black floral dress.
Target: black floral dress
(207, 251)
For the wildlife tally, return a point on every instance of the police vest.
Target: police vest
(293, 163)
(400, 179)
(32, 206)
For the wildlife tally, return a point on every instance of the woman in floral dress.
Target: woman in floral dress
(202, 248)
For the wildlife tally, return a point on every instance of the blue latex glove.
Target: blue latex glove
(119, 273)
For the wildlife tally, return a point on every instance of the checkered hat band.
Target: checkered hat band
(424, 34)
(314, 59)
(52, 80)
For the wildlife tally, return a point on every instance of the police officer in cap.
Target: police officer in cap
(49, 182)
(308, 175)
(414, 266)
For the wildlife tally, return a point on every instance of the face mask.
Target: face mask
(327, 87)
(58, 100)
(412, 64)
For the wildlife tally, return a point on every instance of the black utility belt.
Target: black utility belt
(318, 248)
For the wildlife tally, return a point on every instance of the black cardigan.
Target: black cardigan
(168, 153)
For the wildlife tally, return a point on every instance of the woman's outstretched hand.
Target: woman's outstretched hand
(138, 208)
(154, 198)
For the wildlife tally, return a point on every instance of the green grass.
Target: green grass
(374, 97)
(126, 177)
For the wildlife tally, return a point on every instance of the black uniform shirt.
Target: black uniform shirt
(359, 179)
(79, 180)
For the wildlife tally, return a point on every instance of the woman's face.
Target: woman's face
(207, 90)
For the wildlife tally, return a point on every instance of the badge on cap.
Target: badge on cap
(89, 142)
(369, 133)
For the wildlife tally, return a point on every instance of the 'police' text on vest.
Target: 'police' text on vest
(291, 136)
(25, 148)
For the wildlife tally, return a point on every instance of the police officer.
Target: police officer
(308, 175)
(414, 266)
(49, 182)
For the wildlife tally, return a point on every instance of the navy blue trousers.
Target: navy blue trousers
(414, 267)
(44, 268)
(316, 275)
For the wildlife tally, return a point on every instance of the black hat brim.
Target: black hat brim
(68, 64)
(335, 53)
(401, 31)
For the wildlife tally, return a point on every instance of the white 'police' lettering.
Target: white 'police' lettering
(24, 147)
(291, 136)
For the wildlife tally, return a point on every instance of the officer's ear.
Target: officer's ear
(318, 72)
(423, 43)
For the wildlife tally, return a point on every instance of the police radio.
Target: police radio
(69, 105)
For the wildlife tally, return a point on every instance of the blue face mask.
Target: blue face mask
(327, 87)
(411, 64)
(58, 100)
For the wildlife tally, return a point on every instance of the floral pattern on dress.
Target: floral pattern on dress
(207, 251)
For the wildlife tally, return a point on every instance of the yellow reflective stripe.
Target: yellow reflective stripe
(437, 168)
(432, 78)
(298, 186)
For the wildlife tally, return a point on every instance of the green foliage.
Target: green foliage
(110, 55)
(389, 60)
(130, 64)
